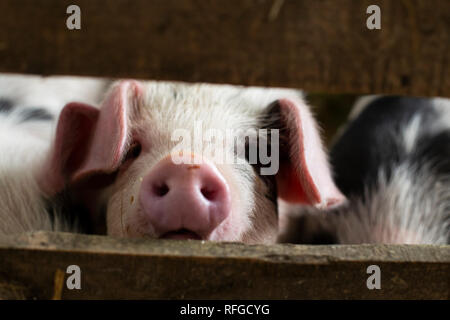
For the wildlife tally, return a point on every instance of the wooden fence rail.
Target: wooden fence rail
(320, 46)
(34, 266)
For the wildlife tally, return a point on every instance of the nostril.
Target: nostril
(209, 194)
(160, 190)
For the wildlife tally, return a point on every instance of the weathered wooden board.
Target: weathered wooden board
(34, 266)
(321, 46)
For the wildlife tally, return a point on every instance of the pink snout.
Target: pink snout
(185, 201)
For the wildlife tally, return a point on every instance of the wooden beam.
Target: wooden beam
(34, 266)
(320, 46)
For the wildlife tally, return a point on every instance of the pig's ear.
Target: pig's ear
(90, 140)
(304, 175)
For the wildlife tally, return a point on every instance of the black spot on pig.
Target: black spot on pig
(6, 105)
(35, 114)
(434, 150)
(376, 138)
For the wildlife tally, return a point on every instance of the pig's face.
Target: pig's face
(152, 196)
(171, 171)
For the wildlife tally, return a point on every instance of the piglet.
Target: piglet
(189, 161)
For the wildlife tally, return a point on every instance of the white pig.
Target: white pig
(119, 161)
(29, 107)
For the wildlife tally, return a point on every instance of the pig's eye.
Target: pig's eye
(133, 152)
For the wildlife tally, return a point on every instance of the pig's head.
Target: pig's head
(150, 155)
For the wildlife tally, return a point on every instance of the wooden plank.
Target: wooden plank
(321, 46)
(33, 266)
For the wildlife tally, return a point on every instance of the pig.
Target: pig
(29, 108)
(392, 162)
(137, 178)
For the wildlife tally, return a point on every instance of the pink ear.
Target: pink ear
(111, 132)
(89, 140)
(305, 177)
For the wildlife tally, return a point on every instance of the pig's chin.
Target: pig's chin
(182, 234)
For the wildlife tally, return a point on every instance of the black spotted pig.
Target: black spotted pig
(393, 163)
(29, 107)
(119, 161)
